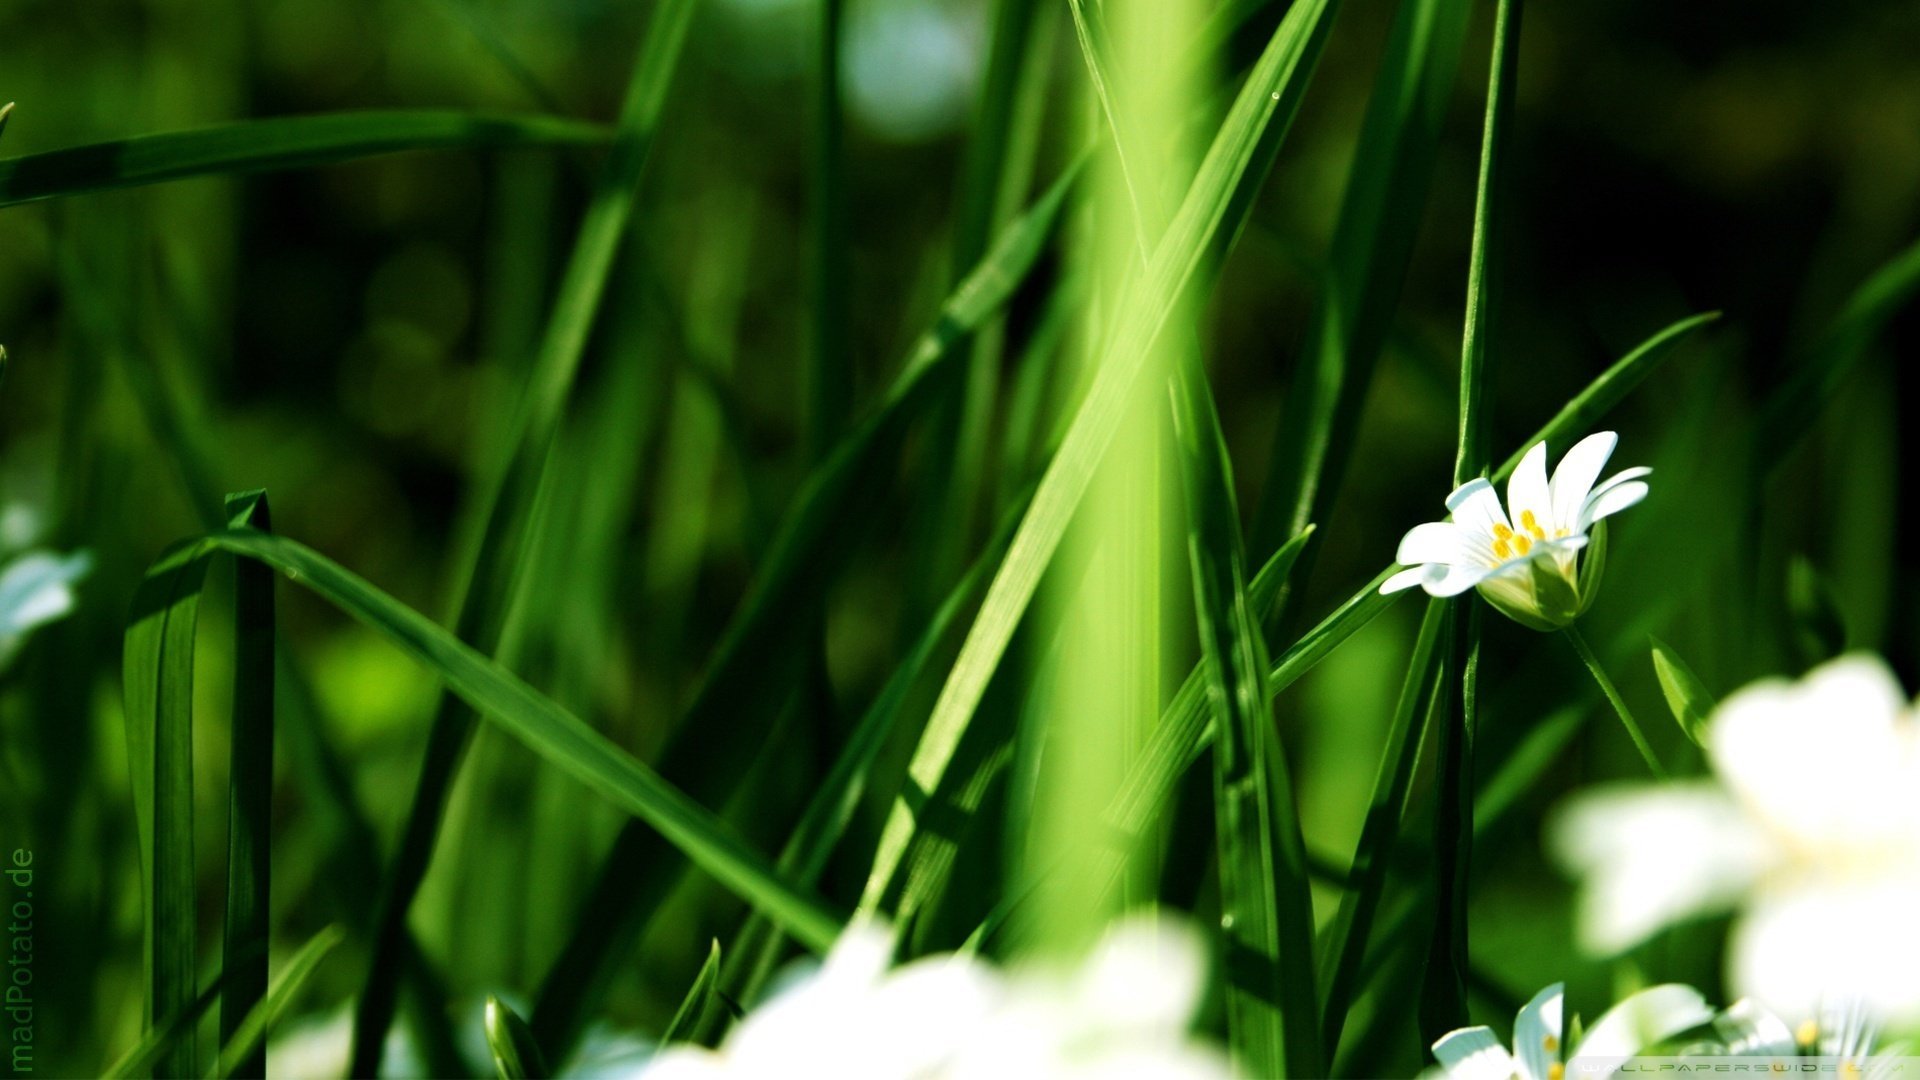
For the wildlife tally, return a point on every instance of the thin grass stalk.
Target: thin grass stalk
(250, 788)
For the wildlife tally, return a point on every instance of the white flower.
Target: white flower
(1844, 1034)
(1525, 557)
(1812, 830)
(1539, 1032)
(1123, 1013)
(36, 589)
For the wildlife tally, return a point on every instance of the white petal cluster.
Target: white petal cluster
(1524, 557)
(1810, 828)
(1124, 1012)
(1539, 1037)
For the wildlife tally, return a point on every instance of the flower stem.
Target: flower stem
(1613, 695)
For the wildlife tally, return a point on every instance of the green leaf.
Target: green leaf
(1231, 174)
(515, 1055)
(548, 729)
(1373, 238)
(1687, 697)
(249, 786)
(1346, 937)
(1819, 629)
(1266, 904)
(249, 1039)
(700, 1000)
(510, 496)
(158, 677)
(293, 142)
(747, 679)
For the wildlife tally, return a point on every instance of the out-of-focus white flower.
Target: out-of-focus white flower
(1812, 830)
(1525, 557)
(1539, 1037)
(1124, 1012)
(1843, 1038)
(36, 589)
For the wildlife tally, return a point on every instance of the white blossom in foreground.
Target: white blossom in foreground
(1539, 1037)
(1526, 557)
(1123, 1013)
(1811, 828)
(36, 589)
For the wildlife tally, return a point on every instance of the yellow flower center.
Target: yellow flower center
(1551, 1042)
(1556, 1071)
(1511, 543)
(1807, 1033)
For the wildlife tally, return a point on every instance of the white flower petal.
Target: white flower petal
(1442, 580)
(1527, 489)
(1405, 579)
(37, 588)
(1537, 1033)
(1473, 1054)
(1607, 503)
(1652, 855)
(1830, 763)
(1638, 472)
(1800, 945)
(1646, 1018)
(1435, 541)
(1750, 1029)
(1144, 978)
(1576, 474)
(1476, 507)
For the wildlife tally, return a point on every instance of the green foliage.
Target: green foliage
(1687, 698)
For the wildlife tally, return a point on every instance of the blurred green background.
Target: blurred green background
(350, 338)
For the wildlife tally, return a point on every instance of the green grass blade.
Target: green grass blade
(1266, 906)
(829, 404)
(1373, 240)
(249, 1040)
(1230, 175)
(1443, 1005)
(546, 728)
(515, 1055)
(1818, 374)
(1579, 415)
(293, 142)
(250, 786)
(1347, 935)
(509, 496)
(158, 674)
(160, 1039)
(700, 1000)
(1687, 697)
(751, 670)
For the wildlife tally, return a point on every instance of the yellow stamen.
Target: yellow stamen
(1522, 544)
(1532, 525)
(1806, 1033)
(1501, 531)
(1556, 1071)
(1502, 549)
(1551, 1042)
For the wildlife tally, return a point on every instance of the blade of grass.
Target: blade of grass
(293, 142)
(523, 712)
(249, 1040)
(700, 1000)
(1233, 171)
(158, 676)
(1687, 697)
(1266, 906)
(159, 1040)
(515, 1055)
(1372, 247)
(1347, 934)
(250, 787)
(829, 403)
(1443, 1005)
(508, 496)
(750, 670)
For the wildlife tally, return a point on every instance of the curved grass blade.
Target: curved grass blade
(1266, 906)
(1231, 174)
(508, 500)
(158, 677)
(515, 1055)
(160, 1039)
(1372, 246)
(690, 1018)
(292, 142)
(1687, 697)
(751, 669)
(249, 1040)
(250, 787)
